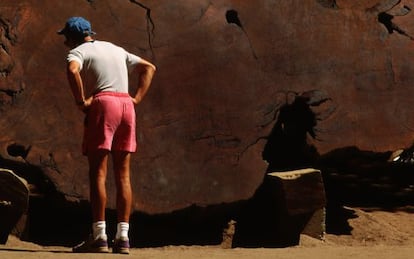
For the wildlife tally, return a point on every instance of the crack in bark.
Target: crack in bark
(9, 34)
(232, 17)
(7, 38)
(383, 6)
(328, 3)
(248, 146)
(385, 14)
(91, 2)
(50, 162)
(150, 25)
(390, 66)
(11, 93)
(221, 140)
(16, 150)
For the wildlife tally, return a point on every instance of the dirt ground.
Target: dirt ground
(374, 233)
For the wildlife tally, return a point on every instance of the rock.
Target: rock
(316, 225)
(228, 234)
(285, 206)
(303, 192)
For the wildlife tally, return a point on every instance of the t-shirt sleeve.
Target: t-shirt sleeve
(131, 60)
(75, 56)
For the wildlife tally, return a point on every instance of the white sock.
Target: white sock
(122, 229)
(99, 230)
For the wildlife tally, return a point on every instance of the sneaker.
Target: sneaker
(121, 246)
(91, 245)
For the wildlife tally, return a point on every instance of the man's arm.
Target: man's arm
(146, 71)
(75, 82)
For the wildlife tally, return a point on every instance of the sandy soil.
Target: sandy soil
(375, 234)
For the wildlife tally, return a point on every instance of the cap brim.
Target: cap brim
(62, 31)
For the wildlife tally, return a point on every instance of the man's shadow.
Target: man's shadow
(287, 147)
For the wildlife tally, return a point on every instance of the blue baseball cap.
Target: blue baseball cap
(77, 26)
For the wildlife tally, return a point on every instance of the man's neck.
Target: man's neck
(88, 39)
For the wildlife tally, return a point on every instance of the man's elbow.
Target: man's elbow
(146, 67)
(149, 68)
(70, 72)
(153, 68)
(72, 68)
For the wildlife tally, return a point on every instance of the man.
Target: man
(98, 76)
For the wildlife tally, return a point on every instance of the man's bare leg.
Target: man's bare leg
(123, 200)
(97, 177)
(121, 161)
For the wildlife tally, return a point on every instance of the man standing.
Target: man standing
(98, 76)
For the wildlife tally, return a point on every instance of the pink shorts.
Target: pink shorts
(110, 123)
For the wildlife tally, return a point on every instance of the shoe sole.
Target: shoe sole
(102, 250)
(121, 251)
(94, 250)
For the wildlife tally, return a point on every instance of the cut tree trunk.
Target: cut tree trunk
(14, 199)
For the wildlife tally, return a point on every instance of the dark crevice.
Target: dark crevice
(4, 72)
(150, 25)
(221, 140)
(11, 93)
(386, 11)
(386, 20)
(9, 32)
(91, 2)
(390, 68)
(17, 150)
(232, 17)
(4, 47)
(249, 146)
(7, 38)
(328, 3)
(50, 162)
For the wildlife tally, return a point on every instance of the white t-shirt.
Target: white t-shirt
(104, 66)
